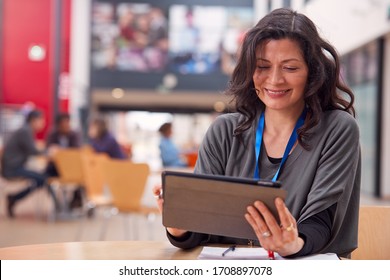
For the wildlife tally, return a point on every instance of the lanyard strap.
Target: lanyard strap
(290, 144)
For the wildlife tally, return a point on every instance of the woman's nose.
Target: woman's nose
(275, 76)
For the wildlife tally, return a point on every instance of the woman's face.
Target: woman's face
(93, 131)
(281, 74)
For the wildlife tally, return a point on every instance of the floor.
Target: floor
(34, 224)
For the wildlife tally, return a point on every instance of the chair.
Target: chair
(82, 167)
(126, 182)
(94, 185)
(94, 179)
(69, 165)
(70, 169)
(374, 228)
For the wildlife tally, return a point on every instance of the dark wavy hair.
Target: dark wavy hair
(324, 89)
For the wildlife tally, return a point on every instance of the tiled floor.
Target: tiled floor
(30, 228)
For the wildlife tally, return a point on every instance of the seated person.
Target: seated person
(17, 150)
(102, 141)
(169, 153)
(62, 136)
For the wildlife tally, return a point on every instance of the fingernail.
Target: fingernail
(258, 204)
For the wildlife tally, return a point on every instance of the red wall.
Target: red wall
(28, 22)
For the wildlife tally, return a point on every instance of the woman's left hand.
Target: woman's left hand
(281, 238)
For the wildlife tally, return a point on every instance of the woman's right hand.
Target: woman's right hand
(157, 192)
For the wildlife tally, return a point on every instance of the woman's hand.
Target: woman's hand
(157, 192)
(282, 238)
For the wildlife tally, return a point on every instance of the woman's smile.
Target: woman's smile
(277, 93)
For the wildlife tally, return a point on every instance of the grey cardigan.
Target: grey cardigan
(326, 174)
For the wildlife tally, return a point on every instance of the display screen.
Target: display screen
(191, 44)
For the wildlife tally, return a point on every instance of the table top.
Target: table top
(99, 250)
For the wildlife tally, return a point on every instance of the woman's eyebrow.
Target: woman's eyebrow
(285, 60)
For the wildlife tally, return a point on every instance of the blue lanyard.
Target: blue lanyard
(290, 144)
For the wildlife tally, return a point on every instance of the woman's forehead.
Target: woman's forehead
(285, 49)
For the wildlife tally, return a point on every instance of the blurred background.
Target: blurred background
(141, 64)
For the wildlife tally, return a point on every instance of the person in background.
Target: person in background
(103, 141)
(170, 155)
(62, 136)
(17, 150)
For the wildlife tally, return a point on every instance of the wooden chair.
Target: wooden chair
(374, 229)
(71, 175)
(82, 167)
(94, 186)
(94, 179)
(69, 165)
(126, 182)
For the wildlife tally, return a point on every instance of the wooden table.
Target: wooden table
(99, 250)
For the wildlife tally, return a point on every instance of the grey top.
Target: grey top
(17, 149)
(326, 174)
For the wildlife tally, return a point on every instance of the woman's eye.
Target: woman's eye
(290, 68)
(263, 67)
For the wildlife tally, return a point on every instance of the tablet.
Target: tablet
(215, 204)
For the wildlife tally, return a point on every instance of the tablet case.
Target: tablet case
(214, 204)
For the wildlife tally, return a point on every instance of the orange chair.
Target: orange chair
(126, 182)
(69, 166)
(81, 167)
(94, 185)
(94, 180)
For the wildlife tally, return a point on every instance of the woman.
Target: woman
(102, 140)
(293, 125)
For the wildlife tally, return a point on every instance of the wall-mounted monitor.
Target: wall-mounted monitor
(168, 45)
